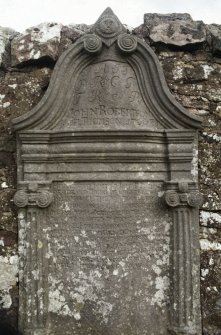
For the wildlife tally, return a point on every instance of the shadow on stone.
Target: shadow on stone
(6, 329)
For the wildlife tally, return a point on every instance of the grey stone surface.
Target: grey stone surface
(214, 37)
(70, 33)
(108, 219)
(174, 29)
(36, 42)
(44, 41)
(5, 35)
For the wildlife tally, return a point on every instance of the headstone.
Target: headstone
(108, 219)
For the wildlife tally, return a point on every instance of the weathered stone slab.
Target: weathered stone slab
(213, 37)
(108, 202)
(121, 257)
(36, 42)
(5, 35)
(70, 34)
(175, 29)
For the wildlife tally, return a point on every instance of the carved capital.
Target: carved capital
(182, 194)
(34, 193)
(127, 43)
(92, 43)
(172, 198)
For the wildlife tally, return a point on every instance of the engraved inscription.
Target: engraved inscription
(106, 116)
(107, 96)
(111, 257)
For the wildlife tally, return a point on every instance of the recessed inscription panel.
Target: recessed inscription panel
(108, 250)
(107, 96)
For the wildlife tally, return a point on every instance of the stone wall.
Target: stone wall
(190, 54)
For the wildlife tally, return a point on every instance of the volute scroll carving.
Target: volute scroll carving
(183, 196)
(127, 43)
(33, 194)
(92, 43)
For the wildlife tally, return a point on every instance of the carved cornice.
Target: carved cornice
(33, 193)
(120, 146)
(183, 193)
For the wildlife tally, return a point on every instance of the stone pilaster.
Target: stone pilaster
(32, 197)
(184, 198)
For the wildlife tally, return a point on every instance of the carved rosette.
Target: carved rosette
(183, 198)
(127, 43)
(92, 43)
(33, 194)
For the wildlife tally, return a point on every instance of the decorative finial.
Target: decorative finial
(108, 27)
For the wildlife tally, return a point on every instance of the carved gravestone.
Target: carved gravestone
(108, 220)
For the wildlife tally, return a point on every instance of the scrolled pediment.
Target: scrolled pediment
(108, 79)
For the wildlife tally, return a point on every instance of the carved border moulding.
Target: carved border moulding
(32, 197)
(180, 145)
(184, 198)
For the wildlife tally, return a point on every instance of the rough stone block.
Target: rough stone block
(6, 34)
(214, 37)
(175, 29)
(35, 43)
